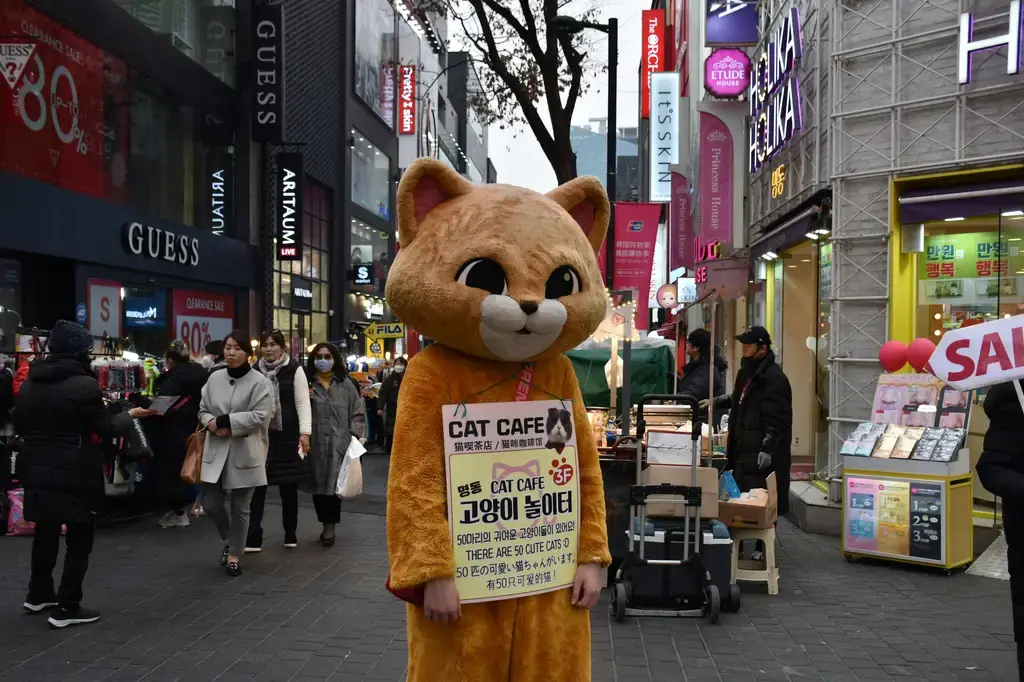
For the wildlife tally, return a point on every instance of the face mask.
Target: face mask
(323, 365)
(399, 369)
(208, 362)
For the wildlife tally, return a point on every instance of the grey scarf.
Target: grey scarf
(270, 370)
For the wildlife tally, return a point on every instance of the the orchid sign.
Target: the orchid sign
(727, 73)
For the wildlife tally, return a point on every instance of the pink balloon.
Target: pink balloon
(919, 352)
(893, 355)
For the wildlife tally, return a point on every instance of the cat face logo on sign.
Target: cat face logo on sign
(14, 57)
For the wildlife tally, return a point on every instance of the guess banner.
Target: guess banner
(716, 171)
(680, 253)
(636, 231)
(201, 317)
(407, 100)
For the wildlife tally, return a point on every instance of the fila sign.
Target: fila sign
(1011, 40)
(775, 115)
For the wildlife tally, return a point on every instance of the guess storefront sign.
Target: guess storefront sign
(407, 100)
(152, 242)
(775, 112)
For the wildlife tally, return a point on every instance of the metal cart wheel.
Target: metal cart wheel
(732, 604)
(713, 608)
(619, 599)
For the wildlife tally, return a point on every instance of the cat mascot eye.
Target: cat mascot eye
(564, 281)
(483, 273)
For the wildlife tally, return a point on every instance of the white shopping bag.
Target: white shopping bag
(350, 478)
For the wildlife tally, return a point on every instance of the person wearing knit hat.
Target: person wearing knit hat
(69, 340)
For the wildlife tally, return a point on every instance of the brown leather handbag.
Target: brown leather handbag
(192, 468)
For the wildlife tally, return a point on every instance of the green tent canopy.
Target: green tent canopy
(650, 373)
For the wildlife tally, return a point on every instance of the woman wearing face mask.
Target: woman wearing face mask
(387, 400)
(289, 436)
(213, 358)
(338, 416)
(236, 408)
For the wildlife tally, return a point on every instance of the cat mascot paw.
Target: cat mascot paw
(496, 523)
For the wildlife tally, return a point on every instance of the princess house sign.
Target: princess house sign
(775, 115)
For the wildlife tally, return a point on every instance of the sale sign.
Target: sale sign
(104, 308)
(636, 231)
(201, 317)
(52, 125)
(652, 51)
(407, 100)
(980, 355)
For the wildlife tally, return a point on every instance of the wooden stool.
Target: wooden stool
(755, 571)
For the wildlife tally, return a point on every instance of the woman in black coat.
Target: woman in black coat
(1000, 469)
(169, 434)
(387, 400)
(59, 412)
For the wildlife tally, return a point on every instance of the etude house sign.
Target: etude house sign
(727, 73)
(1011, 40)
(288, 216)
(775, 114)
(152, 242)
(268, 73)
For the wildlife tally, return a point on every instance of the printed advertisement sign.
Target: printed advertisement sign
(513, 497)
(636, 230)
(920, 400)
(146, 311)
(201, 317)
(727, 73)
(407, 100)
(980, 355)
(104, 307)
(680, 253)
(973, 268)
(731, 22)
(665, 113)
(898, 518)
(716, 171)
(652, 51)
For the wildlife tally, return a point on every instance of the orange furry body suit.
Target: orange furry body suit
(498, 276)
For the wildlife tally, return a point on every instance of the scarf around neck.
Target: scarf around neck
(270, 370)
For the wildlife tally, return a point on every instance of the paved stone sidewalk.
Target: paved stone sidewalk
(312, 614)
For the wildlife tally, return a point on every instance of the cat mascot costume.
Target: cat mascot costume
(504, 280)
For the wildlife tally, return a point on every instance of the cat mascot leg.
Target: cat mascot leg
(504, 280)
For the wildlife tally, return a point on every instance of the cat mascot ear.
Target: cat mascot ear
(426, 184)
(585, 200)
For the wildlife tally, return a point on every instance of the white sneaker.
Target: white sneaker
(175, 520)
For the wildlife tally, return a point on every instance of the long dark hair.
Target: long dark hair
(340, 368)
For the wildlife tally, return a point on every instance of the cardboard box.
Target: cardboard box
(759, 512)
(707, 479)
(669, 447)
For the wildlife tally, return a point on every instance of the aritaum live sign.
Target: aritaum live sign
(775, 114)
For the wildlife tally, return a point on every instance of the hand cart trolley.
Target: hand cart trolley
(678, 584)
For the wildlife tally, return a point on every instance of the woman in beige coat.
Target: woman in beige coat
(236, 409)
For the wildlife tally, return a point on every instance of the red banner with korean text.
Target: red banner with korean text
(636, 231)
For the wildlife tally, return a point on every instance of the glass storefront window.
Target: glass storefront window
(375, 57)
(144, 319)
(371, 176)
(371, 246)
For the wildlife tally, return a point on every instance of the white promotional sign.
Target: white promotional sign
(104, 308)
(201, 317)
(982, 355)
(967, 45)
(664, 137)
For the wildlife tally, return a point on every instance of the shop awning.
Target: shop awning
(728, 277)
(991, 198)
(788, 233)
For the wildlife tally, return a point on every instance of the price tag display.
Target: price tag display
(897, 518)
(201, 317)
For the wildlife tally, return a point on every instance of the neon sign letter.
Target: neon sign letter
(968, 45)
(775, 110)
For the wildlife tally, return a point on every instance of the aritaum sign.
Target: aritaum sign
(775, 115)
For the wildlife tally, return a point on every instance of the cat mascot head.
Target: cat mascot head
(496, 271)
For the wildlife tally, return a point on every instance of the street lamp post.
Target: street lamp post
(572, 26)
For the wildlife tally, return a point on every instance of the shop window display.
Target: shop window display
(371, 176)
(370, 246)
(374, 57)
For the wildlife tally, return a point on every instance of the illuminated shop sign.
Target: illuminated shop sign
(1011, 40)
(727, 73)
(664, 133)
(703, 253)
(775, 114)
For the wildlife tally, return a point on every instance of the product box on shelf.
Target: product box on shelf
(759, 509)
(673, 474)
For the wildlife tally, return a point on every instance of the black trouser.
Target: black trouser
(328, 508)
(289, 510)
(1015, 567)
(45, 548)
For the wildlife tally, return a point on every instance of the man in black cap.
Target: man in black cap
(760, 418)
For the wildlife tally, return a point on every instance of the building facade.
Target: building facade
(464, 88)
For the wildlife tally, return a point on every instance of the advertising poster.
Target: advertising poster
(893, 507)
(898, 518)
(513, 497)
(731, 22)
(861, 517)
(104, 308)
(716, 179)
(680, 251)
(920, 400)
(201, 317)
(636, 231)
(975, 267)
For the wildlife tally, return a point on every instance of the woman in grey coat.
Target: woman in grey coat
(236, 408)
(338, 416)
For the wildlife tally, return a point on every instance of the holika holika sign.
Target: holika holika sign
(775, 114)
(513, 497)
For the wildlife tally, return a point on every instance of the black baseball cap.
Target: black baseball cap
(755, 335)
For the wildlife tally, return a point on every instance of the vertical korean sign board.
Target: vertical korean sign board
(288, 216)
(775, 114)
(268, 74)
(1011, 40)
(664, 137)
(653, 54)
(407, 99)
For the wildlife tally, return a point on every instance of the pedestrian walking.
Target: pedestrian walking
(387, 401)
(289, 440)
(1000, 469)
(168, 434)
(338, 417)
(213, 356)
(760, 418)
(236, 409)
(58, 410)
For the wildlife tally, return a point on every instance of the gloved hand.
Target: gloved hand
(764, 460)
(717, 400)
(704, 404)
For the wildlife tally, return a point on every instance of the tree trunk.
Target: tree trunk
(563, 160)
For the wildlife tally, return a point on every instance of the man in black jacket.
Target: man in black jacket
(760, 418)
(1000, 469)
(696, 373)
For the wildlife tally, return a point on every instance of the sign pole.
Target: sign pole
(1020, 394)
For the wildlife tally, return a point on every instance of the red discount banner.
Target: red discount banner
(51, 117)
(201, 317)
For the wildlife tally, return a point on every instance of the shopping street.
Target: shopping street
(312, 614)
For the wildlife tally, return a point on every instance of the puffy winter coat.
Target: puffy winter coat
(58, 409)
(1000, 467)
(695, 382)
(168, 434)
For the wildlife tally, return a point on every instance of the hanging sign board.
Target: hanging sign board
(775, 113)
(981, 355)
(288, 216)
(665, 112)
(267, 75)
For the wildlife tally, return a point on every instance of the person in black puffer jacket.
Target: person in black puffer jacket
(695, 380)
(58, 411)
(760, 418)
(169, 434)
(1000, 469)
(289, 433)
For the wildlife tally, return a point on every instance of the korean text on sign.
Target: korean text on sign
(513, 499)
